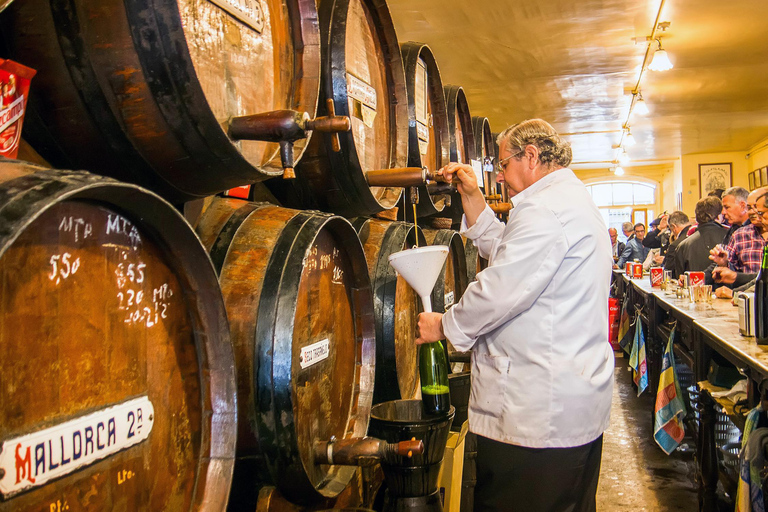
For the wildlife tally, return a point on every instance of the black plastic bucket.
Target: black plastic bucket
(403, 420)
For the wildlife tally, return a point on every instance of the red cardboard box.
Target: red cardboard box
(657, 276)
(14, 88)
(695, 278)
(637, 270)
(628, 270)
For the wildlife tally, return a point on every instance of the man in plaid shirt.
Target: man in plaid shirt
(745, 249)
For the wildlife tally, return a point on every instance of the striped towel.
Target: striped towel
(637, 359)
(624, 328)
(670, 408)
(749, 494)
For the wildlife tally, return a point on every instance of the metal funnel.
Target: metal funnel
(420, 267)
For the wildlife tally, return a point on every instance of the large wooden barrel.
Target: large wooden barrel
(118, 380)
(396, 308)
(428, 134)
(475, 262)
(298, 296)
(485, 152)
(144, 91)
(363, 73)
(452, 282)
(462, 144)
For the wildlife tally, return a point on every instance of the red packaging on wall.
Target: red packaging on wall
(14, 89)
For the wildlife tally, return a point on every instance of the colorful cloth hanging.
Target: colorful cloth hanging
(749, 494)
(637, 359)
(670, 410)
(624, 327)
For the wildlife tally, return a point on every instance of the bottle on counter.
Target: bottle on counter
(761, 301)
(433, 370)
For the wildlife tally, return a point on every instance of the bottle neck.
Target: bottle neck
(764, 266)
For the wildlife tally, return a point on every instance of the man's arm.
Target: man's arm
(526, 261)
(626, 255)
(652, 240)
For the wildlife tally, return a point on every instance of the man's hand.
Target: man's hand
(724, 293)
(719, 255)
(429, 328)
(663, 222)
(463, 175)
(724, 275)
(658, 259)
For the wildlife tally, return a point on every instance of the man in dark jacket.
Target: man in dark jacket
(658, 236)
(678, 226)
(693, 252)
(634, 250)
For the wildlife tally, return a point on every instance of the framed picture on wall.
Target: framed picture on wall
(764, 176)
(752, 185)
(713, 177)
(758, 182)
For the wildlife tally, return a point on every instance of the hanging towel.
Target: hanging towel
(637, 359)
(624, 328)
(668, 429)
(749, 494)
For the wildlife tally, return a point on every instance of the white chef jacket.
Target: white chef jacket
(537, 319)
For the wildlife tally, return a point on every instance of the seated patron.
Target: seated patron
(634, 250)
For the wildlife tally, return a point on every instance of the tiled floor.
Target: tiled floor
(636, 475)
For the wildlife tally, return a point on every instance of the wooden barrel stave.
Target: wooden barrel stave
(462, 143)
(475, 262)
(452, 282)
(396, 307)
(152, 106)
(182, 362)
(428, 119)
(360, 53)
(275, 312)
(485, 152)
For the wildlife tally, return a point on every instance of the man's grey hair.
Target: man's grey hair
(738, 193)
(553, 151)
(627, 226)
(678, 219)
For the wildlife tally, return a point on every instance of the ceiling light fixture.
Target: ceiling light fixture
(640, 107)
(619, 171)
(629, 139)
(623, 157)
(660, 60)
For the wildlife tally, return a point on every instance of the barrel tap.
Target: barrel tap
(286, 127)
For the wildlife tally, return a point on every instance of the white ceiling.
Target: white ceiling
(574, 62)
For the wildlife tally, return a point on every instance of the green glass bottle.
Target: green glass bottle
(433, 370)
(761, 301)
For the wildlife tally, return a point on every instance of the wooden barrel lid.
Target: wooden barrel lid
(428, 135)
(145, 91)
(116, 360)
(452, 282)
(462, 143)
(485, 152)
(363, 73)
(396, 308)
(298, 297)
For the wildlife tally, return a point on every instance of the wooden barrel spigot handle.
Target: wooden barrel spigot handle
(501, 207)
(410, 448)
(331, 123)
(399, 177)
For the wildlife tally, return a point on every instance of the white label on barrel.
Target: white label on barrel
(247, 11)
(478, 168)
(34, 459)
(314, 353)
(361, 91)
(448, 300)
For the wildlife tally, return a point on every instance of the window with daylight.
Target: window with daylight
(624, 201)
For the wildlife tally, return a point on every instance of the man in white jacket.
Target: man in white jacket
(536, 321)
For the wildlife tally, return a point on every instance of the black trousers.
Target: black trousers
(513, 478)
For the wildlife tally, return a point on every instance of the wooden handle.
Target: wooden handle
(501, 207)
(275, 126)
(409, 448)
(331, 123)
(399, 177)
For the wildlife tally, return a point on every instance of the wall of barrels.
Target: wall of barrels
(194, 275)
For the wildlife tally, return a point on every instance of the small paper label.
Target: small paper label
(478, 168)
(361, 91)
(247, 11)
(448, 301)
(314, 353)
(34, 459)
(423, 131)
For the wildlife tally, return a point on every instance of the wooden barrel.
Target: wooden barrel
(475, 262)
(298, 296)
(428, 135)
(500, 189)
(363, 73)
(452, 282)
(485, 152)
(462, 144)
(396, 308)
(145, 91)
(118, 380)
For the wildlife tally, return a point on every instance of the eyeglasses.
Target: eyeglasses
(761, 213)
(501, 164)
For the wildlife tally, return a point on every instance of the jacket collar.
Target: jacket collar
(557, 175)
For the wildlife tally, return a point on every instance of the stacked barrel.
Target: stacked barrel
(159, 361)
